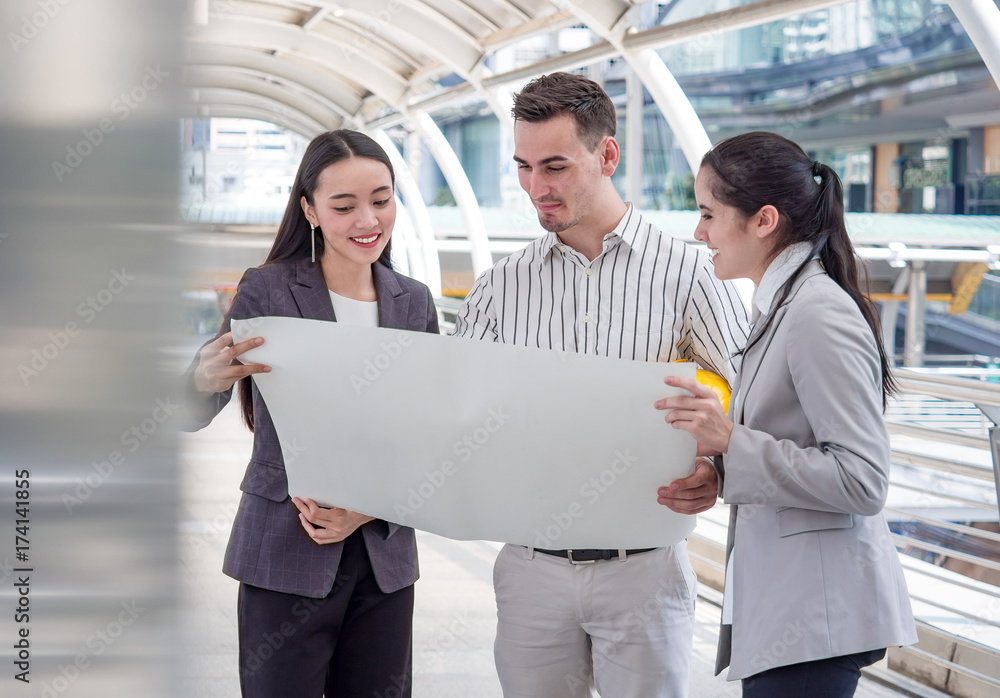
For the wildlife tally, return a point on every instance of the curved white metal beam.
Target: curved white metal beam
(421, 25)
(402, 242)
(294, 87)
(654, 74)
(313, 106)
(427, 265)
(322, 82)
(600, 15)
(673, 103)
(742, 16)
(450, 166)
(379, 73)
(239, 111)
(222, 96)
(981, 21)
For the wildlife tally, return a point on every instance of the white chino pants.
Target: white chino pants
(625, 627)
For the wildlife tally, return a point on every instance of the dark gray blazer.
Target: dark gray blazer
(268, 547)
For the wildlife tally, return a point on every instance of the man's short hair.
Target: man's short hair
(555, 94)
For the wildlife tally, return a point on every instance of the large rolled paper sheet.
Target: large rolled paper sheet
(473, 440)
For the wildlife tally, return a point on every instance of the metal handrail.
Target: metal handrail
(948, 388)
(947, 552)
(955, 498)
(947, 664)
(954, 582)
(943, 465)
(960, 528)
(944, 435)
(950, 609)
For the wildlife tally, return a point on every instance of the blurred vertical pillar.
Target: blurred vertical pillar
(991, 149)
(890, 314)
(885, 194)
(90, 284)
(915, 314)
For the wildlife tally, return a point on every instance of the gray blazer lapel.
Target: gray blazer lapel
(309, 290)
(751, 363)
(393, 302)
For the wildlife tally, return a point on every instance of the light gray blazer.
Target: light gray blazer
(815, 571)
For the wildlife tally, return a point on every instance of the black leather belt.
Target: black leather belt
(586, 557)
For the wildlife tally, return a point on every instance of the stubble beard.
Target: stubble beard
(554, 225)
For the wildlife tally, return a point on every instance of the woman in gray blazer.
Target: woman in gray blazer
(326, 595)
(814, 587)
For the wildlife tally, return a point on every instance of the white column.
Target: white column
(451, 167)
(916, 314)
(981, 21)
(424, 256)
(890, 313)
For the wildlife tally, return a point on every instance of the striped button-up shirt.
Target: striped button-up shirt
(646, 297)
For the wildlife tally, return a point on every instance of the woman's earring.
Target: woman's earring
(312, 236)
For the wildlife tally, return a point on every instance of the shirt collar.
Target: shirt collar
(630, 228)
(778, 272)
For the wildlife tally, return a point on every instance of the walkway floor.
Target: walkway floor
(455, 614)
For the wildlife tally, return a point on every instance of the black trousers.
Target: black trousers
(836, 677)
(354, 642)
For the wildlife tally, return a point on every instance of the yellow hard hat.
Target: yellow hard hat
(714, 381)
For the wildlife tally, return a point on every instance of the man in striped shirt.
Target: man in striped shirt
(602, 281)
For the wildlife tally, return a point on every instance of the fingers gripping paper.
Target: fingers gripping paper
(473, 440)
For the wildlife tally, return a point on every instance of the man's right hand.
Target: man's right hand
(216, 373)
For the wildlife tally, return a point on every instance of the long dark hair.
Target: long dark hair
(293, 240)
(759, 168)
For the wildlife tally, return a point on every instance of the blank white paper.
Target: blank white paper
(474, 440)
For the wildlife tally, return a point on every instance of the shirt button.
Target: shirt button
(590, 271)
(563, 248)
(586, 318)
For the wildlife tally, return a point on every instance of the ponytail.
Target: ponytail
(759, 168)
(843, 265)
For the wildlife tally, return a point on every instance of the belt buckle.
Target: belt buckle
(569, 556)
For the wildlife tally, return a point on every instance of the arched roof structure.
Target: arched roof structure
(367, 63)
(315, 65)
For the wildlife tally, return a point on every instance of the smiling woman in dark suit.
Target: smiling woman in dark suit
(814, 587)
(326, 595)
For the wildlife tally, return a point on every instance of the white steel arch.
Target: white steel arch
(465, 198)
(981, 20)
(654, 74)
(223, 97)
(345, 99)
(428, 268)
(295, 97)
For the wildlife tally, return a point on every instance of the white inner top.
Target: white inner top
(364, 313)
